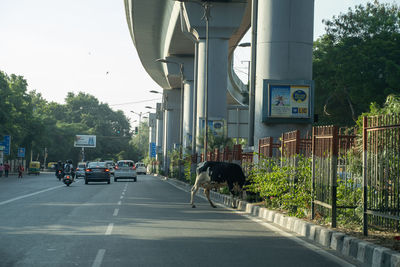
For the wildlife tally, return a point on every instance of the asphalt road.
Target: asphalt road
(147, 223)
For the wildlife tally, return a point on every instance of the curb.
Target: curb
(364, 252)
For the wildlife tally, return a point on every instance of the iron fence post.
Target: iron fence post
(334, 162)
(365, 196)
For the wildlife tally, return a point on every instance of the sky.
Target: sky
(85, 45)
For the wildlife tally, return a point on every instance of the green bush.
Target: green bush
(189, 176)
(283, 185)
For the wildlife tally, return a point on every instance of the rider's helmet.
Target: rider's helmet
(69, 161)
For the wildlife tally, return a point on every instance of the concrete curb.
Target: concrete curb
(362, 251)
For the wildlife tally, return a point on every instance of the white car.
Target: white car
(141, 168)
(80, 169)
(125, 169)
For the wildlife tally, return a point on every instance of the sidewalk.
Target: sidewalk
(366, 253)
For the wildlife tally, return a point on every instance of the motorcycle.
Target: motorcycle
(60, 175)
(68, 179)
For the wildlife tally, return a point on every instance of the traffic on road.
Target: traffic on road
(145, 223)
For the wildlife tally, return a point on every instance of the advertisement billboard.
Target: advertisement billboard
(290, 101)
(85, 141)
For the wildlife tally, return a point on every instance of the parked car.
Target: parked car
(140, 168)
(111, 165)
(97, 172)
(125, 169)
(80, 169)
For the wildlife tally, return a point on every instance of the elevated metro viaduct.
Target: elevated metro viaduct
(187, 46)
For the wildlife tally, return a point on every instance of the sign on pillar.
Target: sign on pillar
(288, 101)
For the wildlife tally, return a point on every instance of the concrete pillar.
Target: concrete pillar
(224, 18)
(171, 122)
(284, 52)
(217, 82)
(173, 71)
(187, 114)
(160, 130)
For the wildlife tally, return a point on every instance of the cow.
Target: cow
(211, 174)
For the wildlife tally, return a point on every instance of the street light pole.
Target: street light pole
(140, 118)
(206, 16)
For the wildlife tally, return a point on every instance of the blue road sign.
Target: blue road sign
(153, 151)
(21, 152)
(6, 143)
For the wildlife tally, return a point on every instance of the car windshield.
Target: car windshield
(81, 165)
(125, 164)
(96, 164)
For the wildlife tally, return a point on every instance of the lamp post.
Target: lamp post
(206, 16)
(139, 114)
(140, 117)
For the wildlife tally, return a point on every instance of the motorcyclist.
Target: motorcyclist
(59, 167)
(69, 168)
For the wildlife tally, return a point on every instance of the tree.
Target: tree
(140, 142)
(35, 123)
(357, 62)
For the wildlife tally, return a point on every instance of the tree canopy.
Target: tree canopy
(357, 62)
(36, 124)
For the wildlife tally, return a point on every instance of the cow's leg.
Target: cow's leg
(232, 191)
(194, 191)
(207, 193)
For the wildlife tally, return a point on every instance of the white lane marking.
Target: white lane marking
(116, 212)
(123, 193)
(119, 202)
(99, 258)
(29, 195)
(109, 229)
(121, 197)
(300, 241)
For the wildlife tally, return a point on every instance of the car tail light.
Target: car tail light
(77, 169)
(106, 170)
(68, 177)
(116, 167)
(88, 170)
(133, 168)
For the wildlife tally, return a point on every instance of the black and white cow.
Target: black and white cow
(211, 174)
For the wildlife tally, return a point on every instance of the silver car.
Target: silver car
(141, 168)
(80, 169)
(125, 169)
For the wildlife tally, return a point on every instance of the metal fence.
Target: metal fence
(378, 176)
(328, 150)
(381, 171)
(324, 169)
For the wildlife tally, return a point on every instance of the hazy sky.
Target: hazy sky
(84, 45)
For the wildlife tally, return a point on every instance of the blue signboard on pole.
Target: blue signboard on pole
(6, 143)
(153, 151)
(21, 152)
